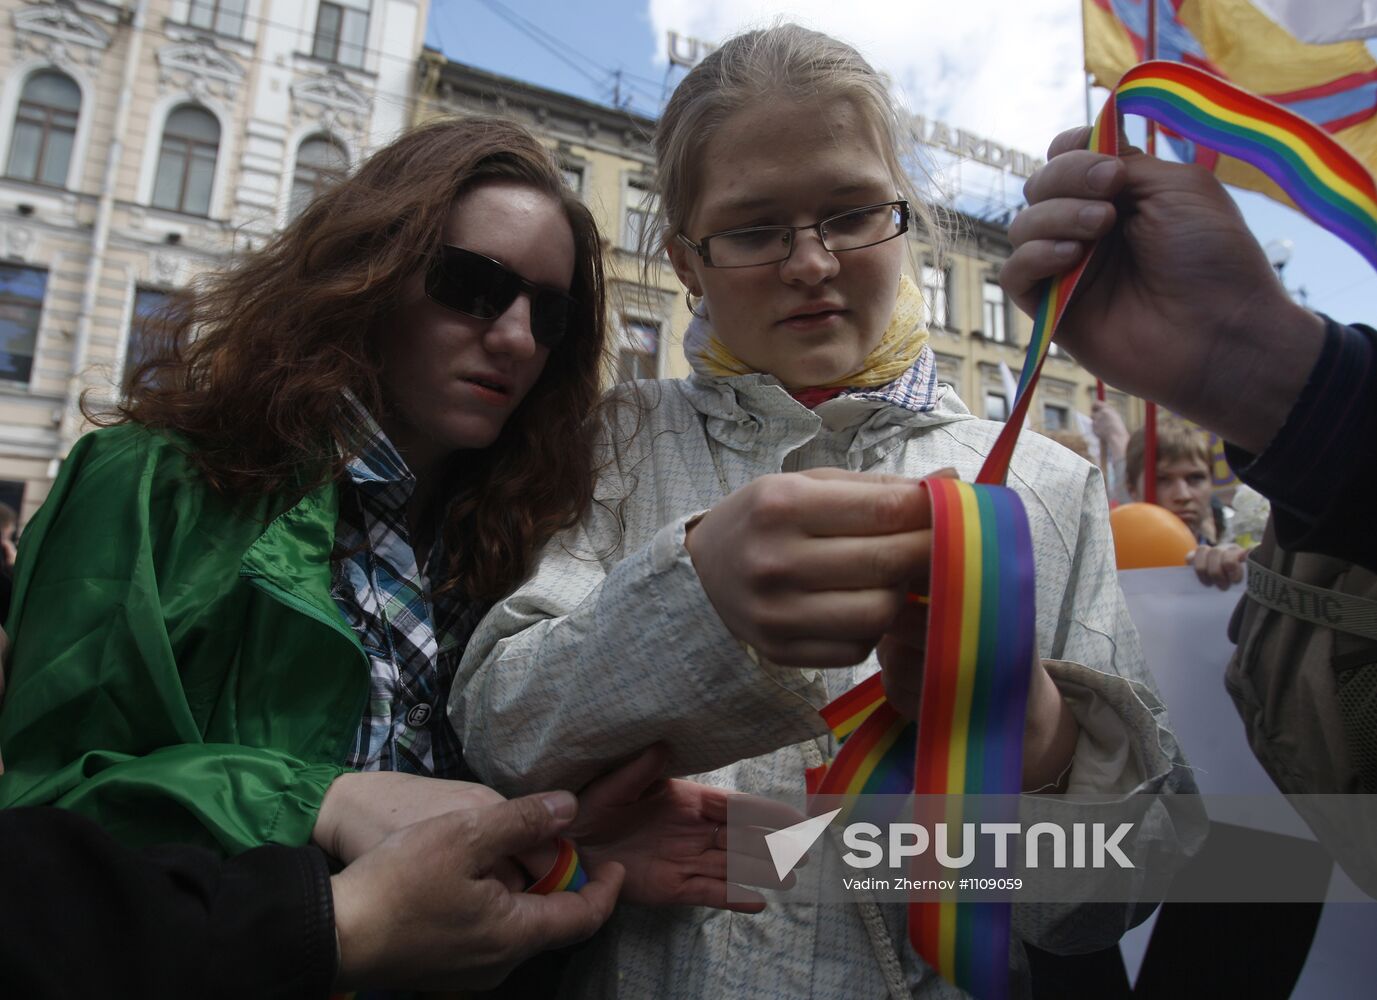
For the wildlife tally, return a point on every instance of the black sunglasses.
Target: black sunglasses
(480, 287)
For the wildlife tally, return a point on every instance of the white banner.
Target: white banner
(1184, 628)
(1323, 21)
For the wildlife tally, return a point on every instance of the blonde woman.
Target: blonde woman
(753, 540)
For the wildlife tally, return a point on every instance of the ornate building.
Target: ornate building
(143, 141)
(607, 158)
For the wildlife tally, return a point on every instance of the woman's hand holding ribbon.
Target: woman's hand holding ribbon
(812, 568)
(1049, 736)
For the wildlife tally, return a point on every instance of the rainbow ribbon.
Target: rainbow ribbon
(565, 875)
(981, 631)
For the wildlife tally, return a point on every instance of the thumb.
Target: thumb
(564, 918)
(509, 828)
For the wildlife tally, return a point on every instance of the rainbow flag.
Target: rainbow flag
(981, 632)
(1334, 86)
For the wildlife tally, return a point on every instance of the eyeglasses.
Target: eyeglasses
(480, 287)
(757, 245)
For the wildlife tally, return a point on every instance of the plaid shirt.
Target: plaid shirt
(915, 389)
(413, 638)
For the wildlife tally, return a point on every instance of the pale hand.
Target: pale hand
(1218, 565)
(671, 836)
(811, 568)
(1050, 733)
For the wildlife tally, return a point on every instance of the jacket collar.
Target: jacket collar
(292, 554)
(746, 413)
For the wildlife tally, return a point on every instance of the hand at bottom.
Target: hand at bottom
(671, 836)
(424, 909)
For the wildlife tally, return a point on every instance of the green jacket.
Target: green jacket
(179, 671)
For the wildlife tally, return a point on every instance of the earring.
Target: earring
(688, 301)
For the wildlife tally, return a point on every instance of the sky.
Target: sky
(1009, 71)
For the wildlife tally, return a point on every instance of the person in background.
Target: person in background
(1183, 487)
(1182, 476)
(1072, 441)
(1109, 428)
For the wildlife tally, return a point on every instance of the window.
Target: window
(936, 285)
(21, 304)
(224, 17)
(342, 32)
(994, 315)
(186, 161)
(573, 177)
(641, 209)
(1054, 418)
(147, 302)
(640, 346)
(996, 406)
(320, 165)
(44, 129)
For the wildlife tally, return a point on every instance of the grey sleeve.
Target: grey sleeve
(590, 661)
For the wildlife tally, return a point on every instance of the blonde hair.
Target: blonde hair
(1072, 441)
(1176, 441)
(785, 61)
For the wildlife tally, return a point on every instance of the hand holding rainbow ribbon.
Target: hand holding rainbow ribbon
(981, 634)
(566, 873)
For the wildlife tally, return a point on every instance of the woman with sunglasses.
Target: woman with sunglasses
(754, 544)
(238, 614)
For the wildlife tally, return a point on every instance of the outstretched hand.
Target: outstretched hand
(1219, 565)
(671, 837)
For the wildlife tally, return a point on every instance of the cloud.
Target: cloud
(1009, 70)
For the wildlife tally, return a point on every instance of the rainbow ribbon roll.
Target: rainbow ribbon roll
(981, 633)
(565, 875)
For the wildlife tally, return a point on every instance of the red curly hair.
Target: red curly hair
(251, 364)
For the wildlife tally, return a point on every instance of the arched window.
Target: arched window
(44, 128)
(186, 161)
(320, 164)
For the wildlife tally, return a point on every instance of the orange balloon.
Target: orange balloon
(1146, 535)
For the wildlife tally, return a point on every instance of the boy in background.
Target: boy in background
(1183, 487)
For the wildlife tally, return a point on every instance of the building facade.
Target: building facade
(145, 141)
(980, 337)
(607, 157)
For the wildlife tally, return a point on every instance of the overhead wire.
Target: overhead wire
(406, 101)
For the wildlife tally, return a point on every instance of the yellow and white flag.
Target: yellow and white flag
(1334, 85)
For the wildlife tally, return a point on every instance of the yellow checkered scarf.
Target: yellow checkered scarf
(903, 339)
